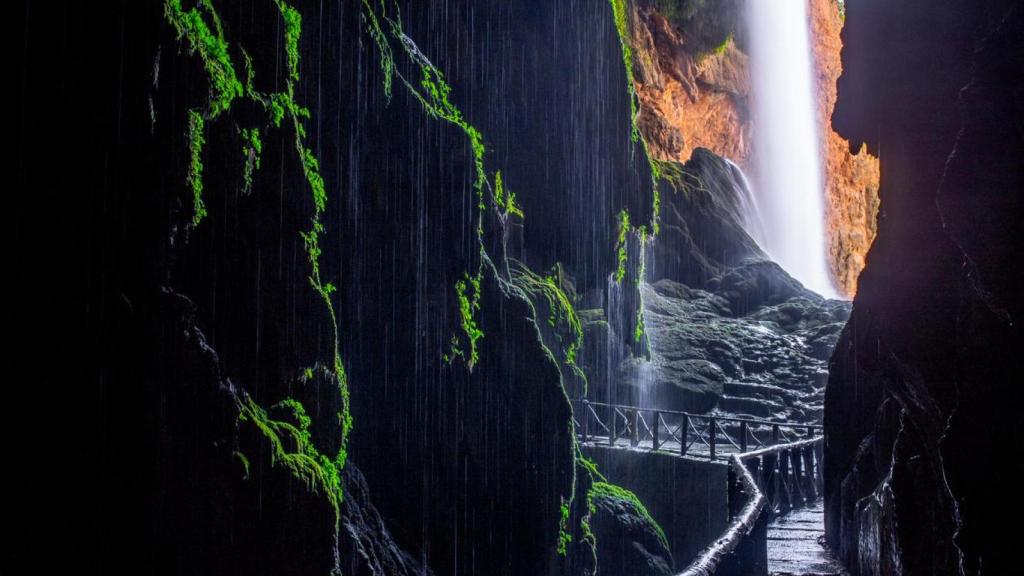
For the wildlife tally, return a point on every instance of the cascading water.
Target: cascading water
(787, 148)
(749, 209)
(627, 343)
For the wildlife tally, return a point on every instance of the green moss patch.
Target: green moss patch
(200, 28)
(613, 492)
(291, 448)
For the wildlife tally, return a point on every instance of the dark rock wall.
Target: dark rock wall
(687, 498)
(921, 410)
(634, 543)
(477, 466)
(140, 339)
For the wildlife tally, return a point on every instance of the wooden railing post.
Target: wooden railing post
(743, 436)
(785, 485)
(799, 489)
(712, 434)
(684, 434)
(654, 431)
(734, 496)
(810, 484)
(634, 433)
(613, 412)
(769, 479)
(754, 465)
(776, 434)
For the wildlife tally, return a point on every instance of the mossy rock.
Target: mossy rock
(629, 541)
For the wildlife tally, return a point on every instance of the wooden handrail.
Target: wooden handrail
(708, 560)
(799, 425)
(716, 555)
(786, 474)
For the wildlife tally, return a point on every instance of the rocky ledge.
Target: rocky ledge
(771, 363)
(727, 330)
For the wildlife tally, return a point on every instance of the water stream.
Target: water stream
(787, 148)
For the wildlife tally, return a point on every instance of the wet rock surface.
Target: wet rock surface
(366, 545)
(923, 402)
(629, 542)
(770, 363)
(691, 78)
(144, 427)
(728, 329)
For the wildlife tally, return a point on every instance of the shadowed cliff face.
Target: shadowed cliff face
(169, 401)
(694, 87)
(922, 403)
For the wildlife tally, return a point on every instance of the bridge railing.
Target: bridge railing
(774, 467)
(682, 432)
(762, 484)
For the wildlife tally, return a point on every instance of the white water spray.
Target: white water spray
(787, 149)
(750, 210)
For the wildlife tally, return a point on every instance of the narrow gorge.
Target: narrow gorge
(459, 287)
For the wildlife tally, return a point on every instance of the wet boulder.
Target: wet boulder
(629, 541)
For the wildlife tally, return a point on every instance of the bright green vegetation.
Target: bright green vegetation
(469, 304)
(622, 258)
(638, 331)
(591, 467)
(505, 198)
(433, 92)
(620, 10)
(655, 198)
(200, 26)
(620, 13)
(208, 42)
(292, 31)
(311, 238)
(564, 537)
(670, 172)
(292, 448)
(721, 48)
(660, 170)
(622, 254)
(387, 58)
(196, 140)
(252, 148)
(244, 461)
(561, 312)
(601, 489)
(587, 539)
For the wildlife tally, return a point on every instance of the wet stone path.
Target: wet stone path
(796, 545)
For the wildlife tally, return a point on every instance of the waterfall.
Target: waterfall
(787, 149)
(749, 209)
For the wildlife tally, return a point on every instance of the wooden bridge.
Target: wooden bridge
(774, 482)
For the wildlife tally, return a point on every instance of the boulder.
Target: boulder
(629, 541)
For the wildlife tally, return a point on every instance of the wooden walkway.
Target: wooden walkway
(683, 433)
(796, 545)
(776, 519)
